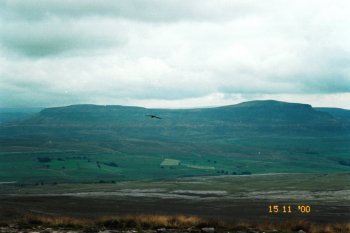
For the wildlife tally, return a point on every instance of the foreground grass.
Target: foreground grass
(180, 222)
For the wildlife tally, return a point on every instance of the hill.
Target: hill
(93, 142)
(12, 114)
(249, 118)
(339, 113)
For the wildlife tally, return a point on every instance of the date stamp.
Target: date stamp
(288, 209)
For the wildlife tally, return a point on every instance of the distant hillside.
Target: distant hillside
(82, 143)
(12, 114)
(336, 112)
(249, 118)
(269, 113)
(254, 112)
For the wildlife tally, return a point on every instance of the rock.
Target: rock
(161, 230)
(193, 230)
(253, 230)
(208, 229)
(301, 231)
(48, 230)
(272, 231)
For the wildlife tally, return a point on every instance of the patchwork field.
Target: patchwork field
(50, 166)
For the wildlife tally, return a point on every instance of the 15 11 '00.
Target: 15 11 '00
(304, 209)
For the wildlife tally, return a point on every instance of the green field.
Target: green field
(234, 157)
(170, 162)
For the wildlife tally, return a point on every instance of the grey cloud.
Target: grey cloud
(331, 83)
(38, 98)
(36, 45)
(317, 83)
(51, 37)
(144, 10)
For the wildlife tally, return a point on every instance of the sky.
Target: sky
(174, 54)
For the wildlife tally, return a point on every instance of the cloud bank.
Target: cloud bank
(174, 53)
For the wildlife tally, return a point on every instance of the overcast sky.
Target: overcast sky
(175, 54)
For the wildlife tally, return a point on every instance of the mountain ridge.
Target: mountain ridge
(253, 117)
(241, 104)
(263, 111)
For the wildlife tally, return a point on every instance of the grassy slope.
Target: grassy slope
(89, 166)
(255, 137)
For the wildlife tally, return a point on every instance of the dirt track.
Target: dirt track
(237, 210)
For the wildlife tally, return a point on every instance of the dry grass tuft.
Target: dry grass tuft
(175, 222)
(330, 228)
(149, 221)
(58, 221)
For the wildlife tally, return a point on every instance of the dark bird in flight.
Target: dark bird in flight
(154, 116)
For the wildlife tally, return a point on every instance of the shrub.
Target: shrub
(44, 159)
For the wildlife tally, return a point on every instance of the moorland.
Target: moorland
(229, 162)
